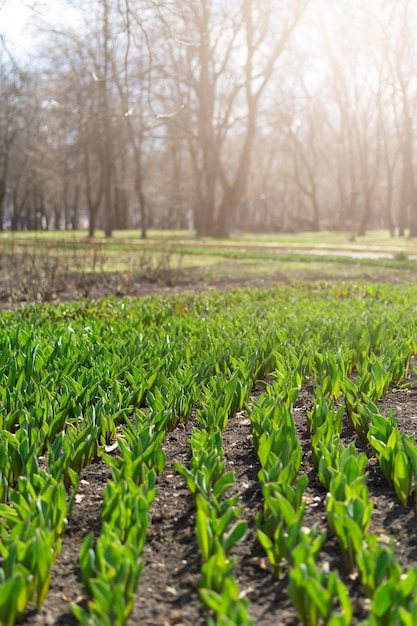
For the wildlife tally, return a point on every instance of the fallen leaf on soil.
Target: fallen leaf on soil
(381, 532)
(260, 562)
(312, 501)
(246, 592)
(171, 590)
(241, 422)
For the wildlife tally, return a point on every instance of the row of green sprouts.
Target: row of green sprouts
(74, 380)
(61, 404)
(392, 593)
(290, 545)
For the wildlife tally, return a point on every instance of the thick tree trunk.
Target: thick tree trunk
(413, 218)
(402, 215)
(120, 209)
(142, 207)
(92, 221)
(366, 215)
(107, 164)
(74, 215)
(316, 215)
(204, 217)
(2, 201)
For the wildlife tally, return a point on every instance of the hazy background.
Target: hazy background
(261, 115)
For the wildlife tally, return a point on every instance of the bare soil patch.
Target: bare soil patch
(17, 290)
(21, 284)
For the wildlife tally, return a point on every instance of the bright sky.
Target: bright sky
(16, 17)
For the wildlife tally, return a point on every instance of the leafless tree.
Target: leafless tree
(221, 57)
(11, 93)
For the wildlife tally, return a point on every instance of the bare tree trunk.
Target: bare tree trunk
(3, 180)
(224, 94)
(106, 126)
(366, 214)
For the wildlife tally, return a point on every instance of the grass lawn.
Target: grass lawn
(254, 258)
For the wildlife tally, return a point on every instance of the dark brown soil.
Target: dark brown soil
(17, 288)
(168, 591)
